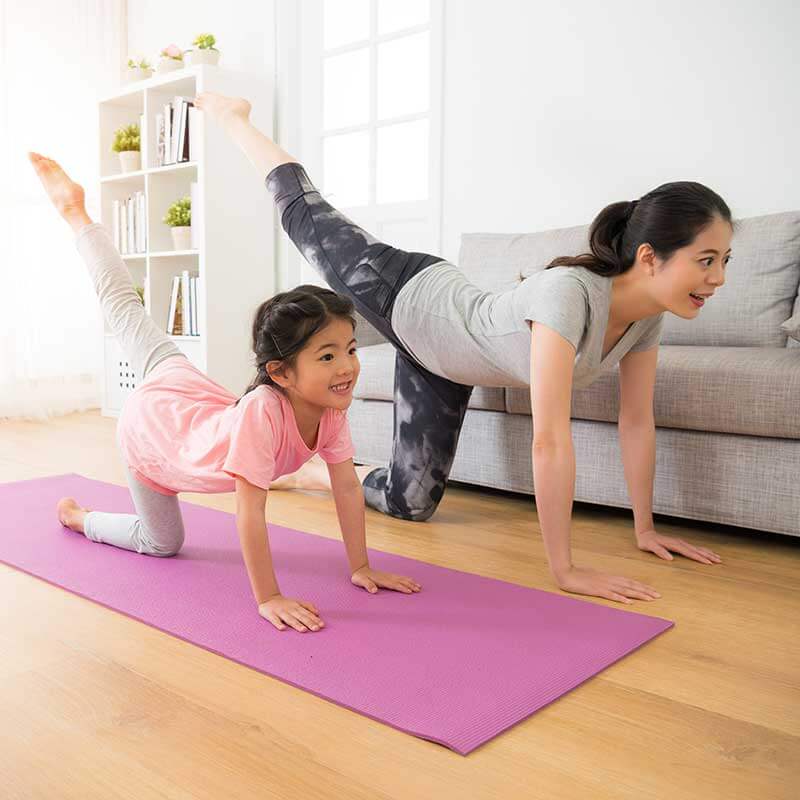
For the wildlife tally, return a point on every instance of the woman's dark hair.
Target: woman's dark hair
(283, 325)
(667, 218)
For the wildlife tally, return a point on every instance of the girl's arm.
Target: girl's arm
(251, 524)
(233, 114)
(349, 498)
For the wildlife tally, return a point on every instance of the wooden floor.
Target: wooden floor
(94, 704)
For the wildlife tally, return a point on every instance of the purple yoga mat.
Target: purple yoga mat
(456, 663)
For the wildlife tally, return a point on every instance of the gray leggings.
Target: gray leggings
(156, 528)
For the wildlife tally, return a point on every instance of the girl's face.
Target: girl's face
(695, 269)
(326, 369)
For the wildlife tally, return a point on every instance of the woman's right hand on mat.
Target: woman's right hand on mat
(584, 580)
(300, 615)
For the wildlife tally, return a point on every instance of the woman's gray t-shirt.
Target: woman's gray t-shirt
(482, 338)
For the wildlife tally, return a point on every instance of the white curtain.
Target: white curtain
(56, 59)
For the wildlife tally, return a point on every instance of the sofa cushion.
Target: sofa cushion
(761, 280)
(376, 381)
(748, 390)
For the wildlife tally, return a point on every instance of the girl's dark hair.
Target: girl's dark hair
(668, 218)
(283, 325)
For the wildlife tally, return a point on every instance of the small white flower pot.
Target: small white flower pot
(139, 74)
(182, 237)
(131, 160)
(199, 56)
(167, 64)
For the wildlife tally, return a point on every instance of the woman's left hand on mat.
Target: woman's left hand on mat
(661, 545)
(371, 579)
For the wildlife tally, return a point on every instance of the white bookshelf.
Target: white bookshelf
(234, 224)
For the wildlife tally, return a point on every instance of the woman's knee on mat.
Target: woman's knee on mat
(414, 504)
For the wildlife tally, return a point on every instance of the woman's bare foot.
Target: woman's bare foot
(70, 514)
(223, 109)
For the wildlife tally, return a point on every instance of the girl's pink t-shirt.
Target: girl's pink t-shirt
(179, 431)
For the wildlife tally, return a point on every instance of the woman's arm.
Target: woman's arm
(233, 114)
(552, 365)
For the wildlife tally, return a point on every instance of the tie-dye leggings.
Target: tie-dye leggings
(428, 409)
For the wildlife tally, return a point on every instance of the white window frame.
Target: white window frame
(299, 62)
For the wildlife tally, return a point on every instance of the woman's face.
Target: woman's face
(695, 270)
(327, 368)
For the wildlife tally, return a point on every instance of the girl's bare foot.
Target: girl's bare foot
(223, 109)
(70, 514)
(66, 195)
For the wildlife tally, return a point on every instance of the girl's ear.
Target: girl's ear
(277, 371)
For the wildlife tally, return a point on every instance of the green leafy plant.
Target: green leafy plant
(179, 213)
(126, 138)
(140, 292)
(205, 41)
(143, 63)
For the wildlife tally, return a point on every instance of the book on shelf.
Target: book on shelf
(160, 139)
(129, 223)
(173, 132)
(182, 314)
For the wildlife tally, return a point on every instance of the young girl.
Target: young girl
(559, 329)
(181, 431)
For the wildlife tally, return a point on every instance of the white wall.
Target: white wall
(553, 110)
(244, 29)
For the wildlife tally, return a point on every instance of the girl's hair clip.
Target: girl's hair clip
(276, 346)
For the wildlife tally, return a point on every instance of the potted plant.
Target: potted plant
(126, 143)
(204, 51)
(170, 59)
(179, 218)
(139, 69)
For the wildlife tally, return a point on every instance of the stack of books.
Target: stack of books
(130, 224)
(182, 316)
(173, 132)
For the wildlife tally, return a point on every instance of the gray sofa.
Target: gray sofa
(727, 395)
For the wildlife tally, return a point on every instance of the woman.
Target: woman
(558, 329)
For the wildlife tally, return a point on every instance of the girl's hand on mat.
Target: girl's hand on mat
(583, 580)
(371, 579)
(300, 615)
(661, 545)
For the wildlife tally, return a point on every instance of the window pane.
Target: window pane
(346, 169)
(345, 89)
(344, 21)
(394, 15)
(404, 76)
(402, 168)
